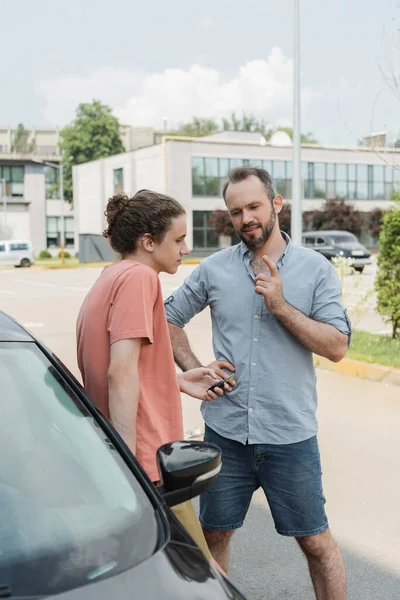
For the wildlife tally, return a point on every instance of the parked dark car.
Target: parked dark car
(338, 243)
(79, 519)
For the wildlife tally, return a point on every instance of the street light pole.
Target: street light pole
(297, 193)
(62, 231)
(4, 196)
(61, 194)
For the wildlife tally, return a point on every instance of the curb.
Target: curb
(363, 370)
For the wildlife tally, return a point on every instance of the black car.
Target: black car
(79, 519)
(338, 243)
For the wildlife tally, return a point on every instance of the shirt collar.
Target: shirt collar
(248, 254)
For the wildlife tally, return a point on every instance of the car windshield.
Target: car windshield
(343, 239)
(71, 512)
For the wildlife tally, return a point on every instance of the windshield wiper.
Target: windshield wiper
(5, 591)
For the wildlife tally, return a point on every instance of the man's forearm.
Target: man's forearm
(123, 404)
(321, 338)
(183, 354)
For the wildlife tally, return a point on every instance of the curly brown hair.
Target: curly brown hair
(129, 218)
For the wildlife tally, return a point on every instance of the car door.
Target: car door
(5, 254)
(15, 253)
(323, 246)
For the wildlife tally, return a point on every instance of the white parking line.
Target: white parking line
(33, 325)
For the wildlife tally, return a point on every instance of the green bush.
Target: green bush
(388, 276)
(66, 255)
(45, 254)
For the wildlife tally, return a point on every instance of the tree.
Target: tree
(306, 138)
(197, 127)
(221, 222)
(95, 133)
(285, 217)
(248, 122)
(337, 214)
(21, 141)
(388, 277)
(374, 222)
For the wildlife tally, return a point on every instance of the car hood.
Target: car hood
(177, 572)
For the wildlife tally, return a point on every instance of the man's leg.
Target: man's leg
(326, 566)
(291, 477)
(224, 506)
(218, 543)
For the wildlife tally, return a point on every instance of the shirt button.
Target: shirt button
(255, 340)
(256, 316)
(253, 364)
(252, 390)
(250, 410)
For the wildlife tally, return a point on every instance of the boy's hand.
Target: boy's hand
(197, 382)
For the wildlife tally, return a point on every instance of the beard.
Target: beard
(265, 233)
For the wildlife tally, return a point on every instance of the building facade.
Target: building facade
(195, 170)
(30, 207)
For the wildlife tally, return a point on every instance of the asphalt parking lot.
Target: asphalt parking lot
(359, 441)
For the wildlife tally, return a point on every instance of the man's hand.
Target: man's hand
(270, 286)
(197, 382)
(218, 366)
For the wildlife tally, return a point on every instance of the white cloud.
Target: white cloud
(260, 87)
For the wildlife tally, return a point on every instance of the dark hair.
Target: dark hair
(241, 173)
(129, 218)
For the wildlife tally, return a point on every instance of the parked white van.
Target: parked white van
(16, 252)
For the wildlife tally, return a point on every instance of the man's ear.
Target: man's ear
(147, 243)
(278, 203)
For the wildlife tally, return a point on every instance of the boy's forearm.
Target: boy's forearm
(123, 404)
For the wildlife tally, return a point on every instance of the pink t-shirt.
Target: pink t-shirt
(126, 302)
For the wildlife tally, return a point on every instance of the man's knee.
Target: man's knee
(217, 537)
(317, 546)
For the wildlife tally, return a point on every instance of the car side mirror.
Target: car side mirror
(187, 469)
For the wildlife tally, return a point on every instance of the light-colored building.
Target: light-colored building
(30, 207)
(45, 141)
(194, 171)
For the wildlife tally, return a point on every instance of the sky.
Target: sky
(174, 59)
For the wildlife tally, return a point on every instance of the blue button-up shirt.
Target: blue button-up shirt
(275, 398)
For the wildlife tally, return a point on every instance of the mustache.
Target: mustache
(250, 226)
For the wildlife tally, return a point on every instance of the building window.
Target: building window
(204, 236)
(321, 180)
(69, 224)
(53, 232)
(4, 149)
(14, 177)
(46, 150)
(341, 181)
(118, 181)
(211, 180)
(52, 183)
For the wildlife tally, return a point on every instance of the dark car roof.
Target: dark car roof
(328, 232)
(11, 331)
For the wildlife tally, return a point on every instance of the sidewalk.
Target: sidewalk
(363, 370)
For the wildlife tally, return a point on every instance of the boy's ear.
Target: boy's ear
(147, 242)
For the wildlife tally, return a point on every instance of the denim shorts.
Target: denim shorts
(289, 474)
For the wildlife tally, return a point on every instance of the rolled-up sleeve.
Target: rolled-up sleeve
(327, 304)
(188, 300)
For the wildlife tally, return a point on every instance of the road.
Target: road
(359, 439)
